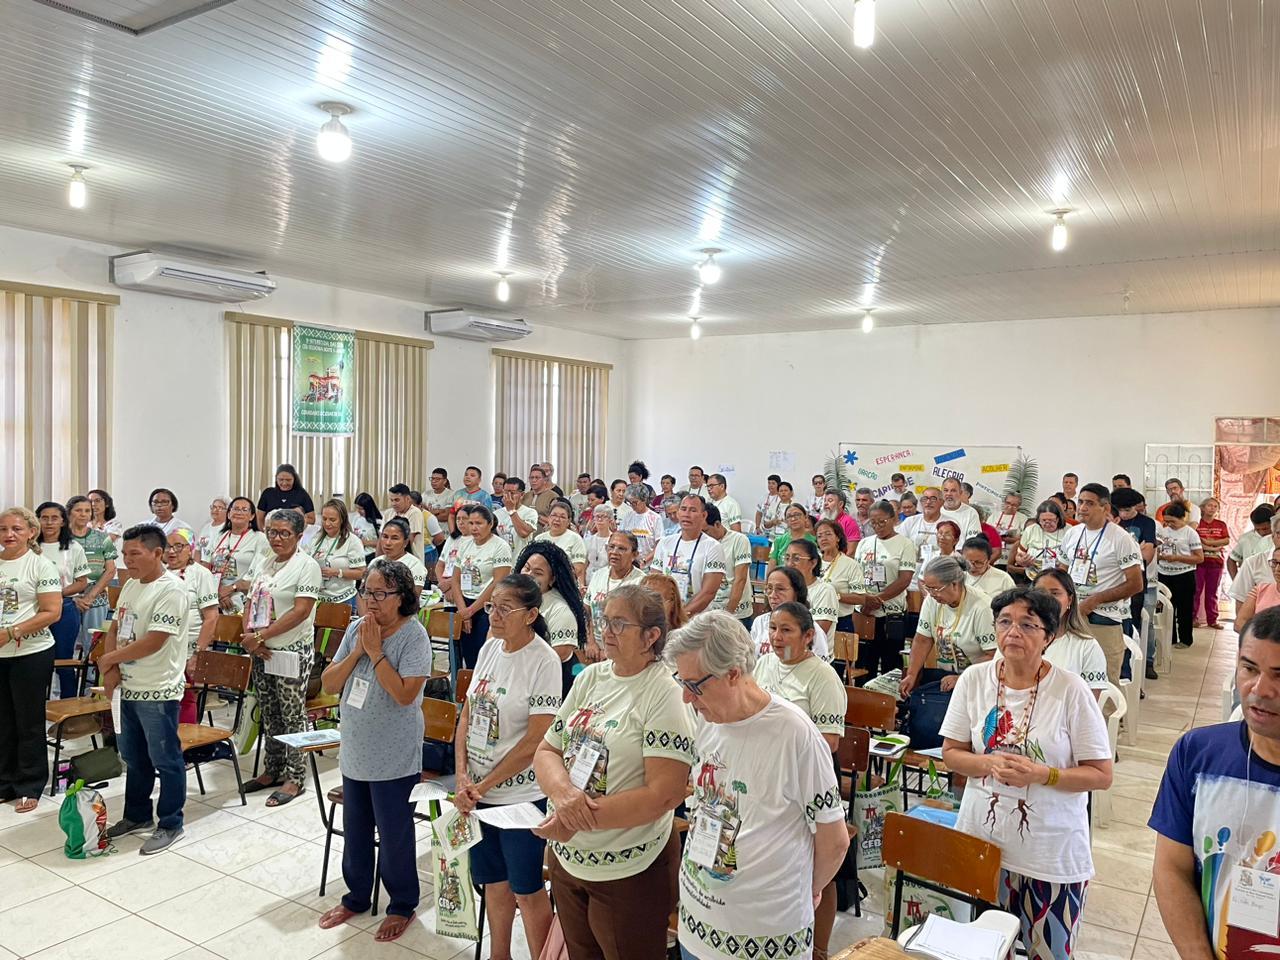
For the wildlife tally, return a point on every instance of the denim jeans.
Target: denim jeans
(150, 747)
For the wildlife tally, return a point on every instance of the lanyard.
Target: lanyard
(226, 563)
(328, 553)
(675, 556)
(1096, 543)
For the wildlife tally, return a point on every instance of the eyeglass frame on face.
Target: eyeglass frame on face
(616, 625)
(936, 591)
(927, 498)
(373, 595)
(280, 534)
(1024, 629)
(176, 546)
(694, 687)
(491, 608)
(789, 559)
(160, 502)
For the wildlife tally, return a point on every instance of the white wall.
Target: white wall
(1080, 394)
(170, 372)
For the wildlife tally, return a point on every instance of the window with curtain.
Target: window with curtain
(389, 444)
(550, 408)
(55, 351)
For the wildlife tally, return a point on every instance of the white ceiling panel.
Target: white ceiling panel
(592, 147)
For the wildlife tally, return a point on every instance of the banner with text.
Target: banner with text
(321, 390)
(927, 465)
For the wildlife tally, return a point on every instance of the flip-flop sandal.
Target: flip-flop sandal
(253, 786)
(280, 798)
(336, 917)
(392, 937)
(26, 805)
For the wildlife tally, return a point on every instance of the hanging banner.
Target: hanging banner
(323, 365)
(928, 464)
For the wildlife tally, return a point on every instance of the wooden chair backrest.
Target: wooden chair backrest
(123, 575)
(930, 851)
(95, 646)
(439, 718)
(844, 646)
(463, 685)
(866, 708)
(229, 629)
(230, 671)
(332, 616)
(854, 749)
(113, 596)
(760, 554)
(440, 625)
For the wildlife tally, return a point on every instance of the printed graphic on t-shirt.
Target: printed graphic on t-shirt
(9, 603)
(483, 716)
(585, 735)
(719, 819)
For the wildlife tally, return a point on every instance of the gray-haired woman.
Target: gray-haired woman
(614, 765)
(279, 619)
(766, 824)
(956, 618)
(641, 522)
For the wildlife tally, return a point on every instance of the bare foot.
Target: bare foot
(392, 928)
(336, 917)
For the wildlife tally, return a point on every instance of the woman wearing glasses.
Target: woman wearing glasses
(393, 544)
(983, 574)
(842, 571)
(340, 554)
(202, 619)
(380, 668)
(786, 585)
(561, 603)
(202, 545)
(104, 516)
(482, 560)
(1262, 597)
(956, 619)
(234, 551)
(621, 570)
(279, 618)
(798, 527)
(513, 697)
(802, 555)
(101, 554)
(561, 533)
(164, 510)
(1038, 547)
(1031, 740)
(614, 766)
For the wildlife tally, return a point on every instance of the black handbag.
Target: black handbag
(95, 766)
(926, 709)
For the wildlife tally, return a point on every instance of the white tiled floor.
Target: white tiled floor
(243, 882)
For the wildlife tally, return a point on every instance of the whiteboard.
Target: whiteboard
(928, 464)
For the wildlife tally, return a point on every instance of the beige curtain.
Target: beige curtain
(390, 441)
(55, 392)
(550, 408)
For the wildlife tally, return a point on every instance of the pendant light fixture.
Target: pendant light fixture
(504, 288)
(708, 269)
(864, 23)
(1058, 235)
(77, 189)
(695, 328)
(867, 323)
(334, 142)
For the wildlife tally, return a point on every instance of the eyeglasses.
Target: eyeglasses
(693, 686)
(791, 559)
(615, 625)
(280, 534)
(929, 499)
(935, 591)
(1005, 624)
(502, 612)
(161, 502)
(376, 595)
(1274, 564)
(175, 547)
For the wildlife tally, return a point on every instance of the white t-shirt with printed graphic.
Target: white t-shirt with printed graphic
(812, 685)
(761, 787)
(1103, 555)
(771, 508)
(570, 542)
(562, 628)
(202, 591)
(1043, 547)
(506, 689)
(888, 557)
(846, 576)
(345, 555)
(621, 721)
(416, 569)
(434, 502)
(961, 635)
(161, 606)
(72, 563)
(1042, 832)
(476, 562)
(21, 582)
(924, 534)
(646, 528)
(507, 529)
(601, 584)
(1181, 542)
(688, 561)
(760, 637)
(736, 548)
(274, 587)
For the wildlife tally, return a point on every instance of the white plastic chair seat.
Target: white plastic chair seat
(1164, 629)
(1229, 699)
(1006, 924)
(1112, 697)
(1132, 688)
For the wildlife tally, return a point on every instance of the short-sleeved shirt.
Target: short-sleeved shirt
(601, 584)
(570, 542)
(645, 527)
(71, 562)
(541, 502)
(1255, 570)
(687, 562)
(597, 553)
(276, 586)
(730, 511)
(993, 581)
(506, 690)
(889, 557)
(1181, 542)
(1215, 530)
(232, 555)
(763, 784)
(1219, 798)
(1104, 556)
(202, 592)
(21, 582)
(924, 534)
(273, 498)
(414, 565)
(736, 548)
(160, 606)
(476, 562)
(966, 518)
(382, 739)
(961, 635)
(562, 626)
(98, 550)
(780, 544)
(1043, 548)
(760, 637)
(340, 554)
(812, 685)
(507, 529)
(846, 576)
(823, 602)
(623, 720)
(1042, 832)
(1081, 654)
(413, 517)
(1249, 543)
(435, 502)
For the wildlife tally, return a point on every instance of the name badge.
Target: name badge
(359, 690)
(876, 572)
(1080, 571)
(260, 606)
(124, 633)
(584, 764)
(1255, 902)
(469, 583)
(478, 733)
(704, 842)
(449, 564)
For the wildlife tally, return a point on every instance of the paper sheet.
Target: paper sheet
(455, 831)
(945, 939)
(310, 738)
(283, 663)
(115, 709)
(781, 461)
(515, 816)
(426, 791)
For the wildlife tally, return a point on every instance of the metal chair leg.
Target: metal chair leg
(199, 779)
(480, 921)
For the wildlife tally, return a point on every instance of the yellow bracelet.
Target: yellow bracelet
(1054, 774)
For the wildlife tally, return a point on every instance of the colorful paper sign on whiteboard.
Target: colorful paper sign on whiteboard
(927, 465)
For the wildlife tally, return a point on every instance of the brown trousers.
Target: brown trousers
(618, 919)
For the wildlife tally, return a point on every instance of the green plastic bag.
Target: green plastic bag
(83, 818)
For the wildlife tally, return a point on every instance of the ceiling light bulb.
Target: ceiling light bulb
(77, 190)
(334, 142)
(709, 270)
(1058, 238)
(867, 323)
(695, 330)
(864, 23)
(504, 288)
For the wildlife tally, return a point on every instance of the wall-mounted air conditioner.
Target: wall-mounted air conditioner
(180, 276)
(469, 325)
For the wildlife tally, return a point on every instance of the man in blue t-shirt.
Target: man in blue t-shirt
(1126, 502)
(1217, 865)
